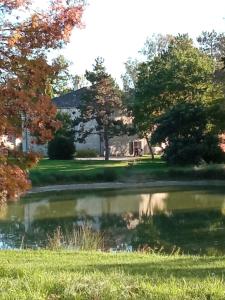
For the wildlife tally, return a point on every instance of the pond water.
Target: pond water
(192, 220)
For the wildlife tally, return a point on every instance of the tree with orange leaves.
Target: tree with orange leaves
(26, 35)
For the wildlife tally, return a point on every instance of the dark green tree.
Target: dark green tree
(62, 145)
(101, 107)
(67, 126)
(154, 46)
(180, 73)
(189, 135)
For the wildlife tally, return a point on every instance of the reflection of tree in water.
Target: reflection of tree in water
(191, 221)
(192, 231)
(11, 227)
(112, 221)
(11, 234)
(44, 228)
(3, 210)
(114, 228)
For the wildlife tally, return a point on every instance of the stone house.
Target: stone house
(119, 146)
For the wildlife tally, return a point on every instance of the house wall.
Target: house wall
(119, 146)
(125, 145)
(29, 145)
(92, 143)
(93, 140)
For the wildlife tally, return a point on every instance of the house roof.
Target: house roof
(69, 100)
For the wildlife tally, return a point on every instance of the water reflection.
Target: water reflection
(191, 220)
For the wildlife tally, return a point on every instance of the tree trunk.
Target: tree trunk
(106, 142)
(150, 147)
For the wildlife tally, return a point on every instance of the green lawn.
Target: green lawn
(143, 169)
(56, 172)
(65, 171)
(91, 275)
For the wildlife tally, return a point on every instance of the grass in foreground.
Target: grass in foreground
(91, 275)
(143, 169)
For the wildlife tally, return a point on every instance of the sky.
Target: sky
(117, 29)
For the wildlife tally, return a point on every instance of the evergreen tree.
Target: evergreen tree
(101, 104)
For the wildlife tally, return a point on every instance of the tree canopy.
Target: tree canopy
(212, 43)
(177, 73)
(25, 76)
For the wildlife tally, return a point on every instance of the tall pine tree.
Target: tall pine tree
(101, 104)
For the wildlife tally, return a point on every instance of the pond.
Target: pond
(164, 219)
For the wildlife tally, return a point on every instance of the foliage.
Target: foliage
(101, 104)
(178, 73)
(156, 45)
(182, 73)
(142, 123)
(86, 153)
(145, 234)
(67, 126)
(212, 43)
(62, 82)
(26, 76)
(185, 129)
(61, 148)
(172, 228)
(130, 76)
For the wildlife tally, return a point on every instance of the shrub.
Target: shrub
(183, 152)
(61, 148)
(212, 152)
(109, 175)
(85, 153)
(185, 131)
(190, 151)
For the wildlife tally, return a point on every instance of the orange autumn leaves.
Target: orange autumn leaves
(13, 181)
(50, 30)
(25, 80)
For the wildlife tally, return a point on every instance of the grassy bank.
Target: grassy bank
(64, 172)
(72, 275)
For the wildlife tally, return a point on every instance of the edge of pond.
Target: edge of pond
(126, 185)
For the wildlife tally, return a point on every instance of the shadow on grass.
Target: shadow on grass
(178, 269)
(61, 172)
